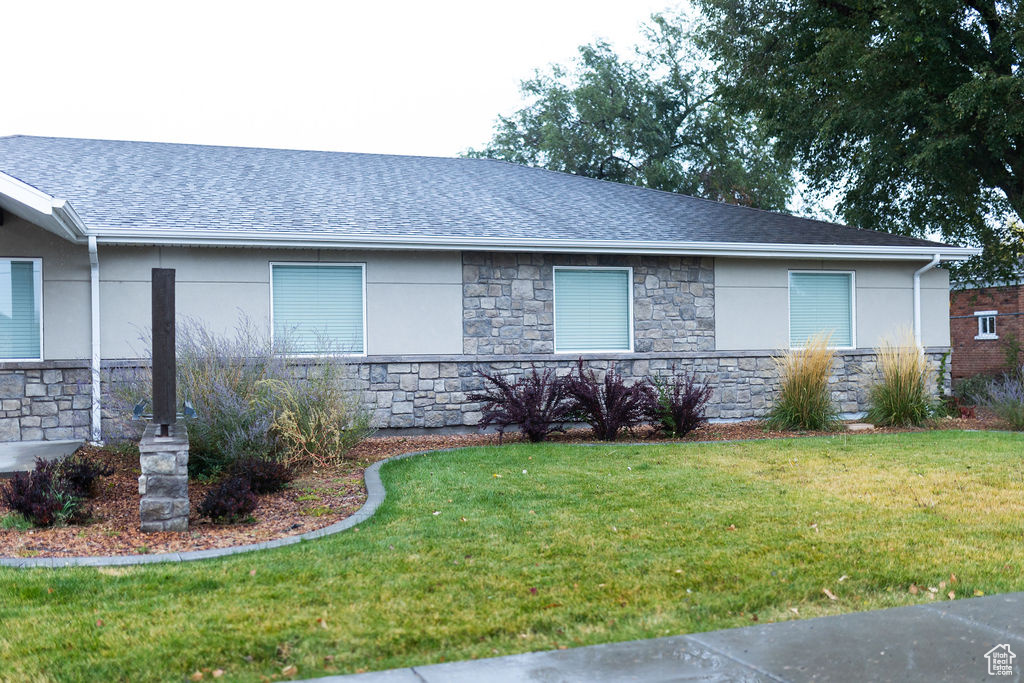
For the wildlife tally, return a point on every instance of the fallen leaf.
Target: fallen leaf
(914, 590)
(794, 610)
(830, 594)
(533, 591)
(552, 605)
(290, 670)
(978, 593)
(731, 527)
(952, 578)
(197, 676)
(933, 589)
(463, 519)
(842, 578)
(437, 512)
(99, 622)
(942, 585)
(217, 673)
(952, 595)
(753, 617)
(321, 622)
(252, 572)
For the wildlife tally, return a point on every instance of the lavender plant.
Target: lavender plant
(1006, 399)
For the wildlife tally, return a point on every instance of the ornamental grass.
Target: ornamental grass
(805, 401)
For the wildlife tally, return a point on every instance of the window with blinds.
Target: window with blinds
(593, 309)
(318, 308)
(21, 309)
(821, 302)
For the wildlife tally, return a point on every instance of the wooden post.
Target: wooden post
(165, 390)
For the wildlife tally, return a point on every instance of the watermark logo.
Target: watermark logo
(1000, 660)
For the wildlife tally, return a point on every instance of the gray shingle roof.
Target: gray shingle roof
(151, 188)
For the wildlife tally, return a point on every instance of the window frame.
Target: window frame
(324, 264)
(554, 307)
(853, 304)
(38, 284)
(987, 336)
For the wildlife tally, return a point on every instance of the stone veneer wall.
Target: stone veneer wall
(508, 301)
(45, 401)
(429, 393)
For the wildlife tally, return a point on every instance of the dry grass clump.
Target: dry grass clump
(901, 397)
(805, 401)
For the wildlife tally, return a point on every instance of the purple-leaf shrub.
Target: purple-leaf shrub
(676, 405)
(536, 403)
(229, 502)
(609, 405)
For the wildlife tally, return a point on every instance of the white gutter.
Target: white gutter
(94, 290)
(917, 295)
(277, 239)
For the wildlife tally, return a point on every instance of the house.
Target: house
(424, 269)
(986, 327)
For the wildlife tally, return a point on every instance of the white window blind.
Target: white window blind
(318, 308)
(821, 302)
(20, 309)
(592, 309)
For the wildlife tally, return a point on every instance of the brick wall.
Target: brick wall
(984, 356)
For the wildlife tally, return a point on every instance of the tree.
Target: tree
(912, 110)
(653, 121)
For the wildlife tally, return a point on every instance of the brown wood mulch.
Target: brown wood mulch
(316, 499)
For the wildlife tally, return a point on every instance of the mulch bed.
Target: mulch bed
(314, 500)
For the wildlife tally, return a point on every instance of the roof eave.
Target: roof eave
(271, 239)
(42, 209)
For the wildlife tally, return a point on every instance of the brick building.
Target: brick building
(983, 324)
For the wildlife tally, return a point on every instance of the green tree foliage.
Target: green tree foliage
(653, 120)
(912, 110)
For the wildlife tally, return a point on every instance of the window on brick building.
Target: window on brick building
(986, 324)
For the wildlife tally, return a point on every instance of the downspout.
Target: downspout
(917, 295)
(94, 290)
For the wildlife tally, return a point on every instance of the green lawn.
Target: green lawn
(490, 551)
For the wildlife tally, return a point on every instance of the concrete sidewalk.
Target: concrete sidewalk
(20, 456)
(945, 641)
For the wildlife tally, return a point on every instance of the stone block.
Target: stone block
(12, 386)
(52, 376)
(34, 390)
(10, 429)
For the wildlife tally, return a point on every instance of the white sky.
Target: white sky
(424, 77)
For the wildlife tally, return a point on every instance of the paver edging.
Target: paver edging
(375, 494)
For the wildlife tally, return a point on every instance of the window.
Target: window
(593, 309)
(821, 301)
(986, 324)
(319, 307)
(21, 309)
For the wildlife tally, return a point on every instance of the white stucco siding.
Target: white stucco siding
(752, 301)
(413, 299)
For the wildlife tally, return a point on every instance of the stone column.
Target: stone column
(164, 481)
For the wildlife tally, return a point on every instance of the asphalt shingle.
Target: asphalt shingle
(151, 188)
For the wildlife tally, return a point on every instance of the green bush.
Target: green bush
(805, 401)
(901, 397)
(973, 390)
(1006, 399)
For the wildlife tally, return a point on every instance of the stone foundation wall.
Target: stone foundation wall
(44, 401)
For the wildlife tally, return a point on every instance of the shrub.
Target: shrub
(247, 403)
(265, 476)
(41, 496)
(318, 420)
(229, 502)
(973, 390)
(1006, 399)
(901, 397)
(676, 406)
(805, 401)
(78, 474)
(537, 403)
(608, 406)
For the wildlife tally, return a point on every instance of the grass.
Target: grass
(805, 399)
(900, 396)
(470, 556)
